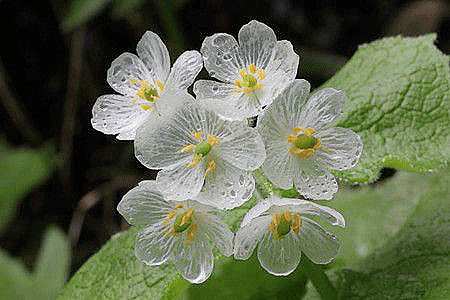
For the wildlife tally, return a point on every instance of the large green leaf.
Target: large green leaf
(20, 170)
(415, 263)
(399, 103)
(52, 268)
(115, 273)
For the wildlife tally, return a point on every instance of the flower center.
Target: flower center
(182, 222)
(147, 93)
(201, 149)
(303, 142)
(251, 79)
(282, 223)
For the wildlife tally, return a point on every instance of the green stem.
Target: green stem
(262, 185)
(319, 279)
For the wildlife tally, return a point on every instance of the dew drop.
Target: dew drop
(227, 57)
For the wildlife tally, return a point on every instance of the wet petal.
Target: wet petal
(323, 109)
(215, 230)
(194, 261)
(226, 187)
(223, 99)
(249, 235)
(181, 182)
(155, 56)
(144, 204)
(341, 148)
(319, 245)
(124, 69)
(154, 245)
(221, 57)
(315, 183)
(184, 70)
(256, 42)
(244, 148)
(116, 114)
(279, 257)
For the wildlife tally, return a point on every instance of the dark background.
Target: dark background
(51, 75)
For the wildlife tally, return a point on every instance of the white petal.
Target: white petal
(256, 42)
(221, 57)
(181, 182)
(323, 109)
(249, 235)
(155, 56)
(184, 70)
(259, 209)
(226, 187)
(144, 204)
(116, 114)
(278, 164)
(341, 148)
(153, 244)
(314, 182)
(308, 207)
(158, 143)
(223, 100)
(194, 260)
(123, 70)
(283, 64)
(320, 246)
(279, 257)
(244, 148)
(281, 70)
(215, 230)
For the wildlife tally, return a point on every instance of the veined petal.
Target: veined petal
(314, 182)
(124, 69)
(319, 245)
(342, 148)
(279, 257)
(323, 109)
(194, 260)
(144, 204)
(226, 187)
(172, 100)
(184, 70)
(278, 166)
(116, 114)
(283, 64)
(181, 182)
(307, 207)
(219, 233)
(256, 43)
(249, 235)
(158, 143)
(153, 244)
(221, 57)
(223, 99)
(244, 148)
(155, 56)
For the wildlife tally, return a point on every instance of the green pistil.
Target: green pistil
(249, 81)
(182, 222)
(305, 142)
(283, 227)
(202, 148)
(151, 94)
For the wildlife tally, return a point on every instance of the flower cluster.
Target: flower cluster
(205, 151)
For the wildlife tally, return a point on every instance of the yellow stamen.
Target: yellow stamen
(195, 161)
(191, 233)
(197, 134)
(282, 223)
(252, 68)
(296, 224)
(145, 106)
(179, 206)
(211, 167)
(212, 140)
(187, 148)
(159, 84)
(293, 139)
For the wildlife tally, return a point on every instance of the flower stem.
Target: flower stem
(319, 279)
(262, 185)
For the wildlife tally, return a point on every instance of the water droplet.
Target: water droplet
(227, 57)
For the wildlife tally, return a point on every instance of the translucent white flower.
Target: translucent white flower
(197, 150)
(183, 231)
(283, 232)
(148, 87)
(301, 146)
(253, 72)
